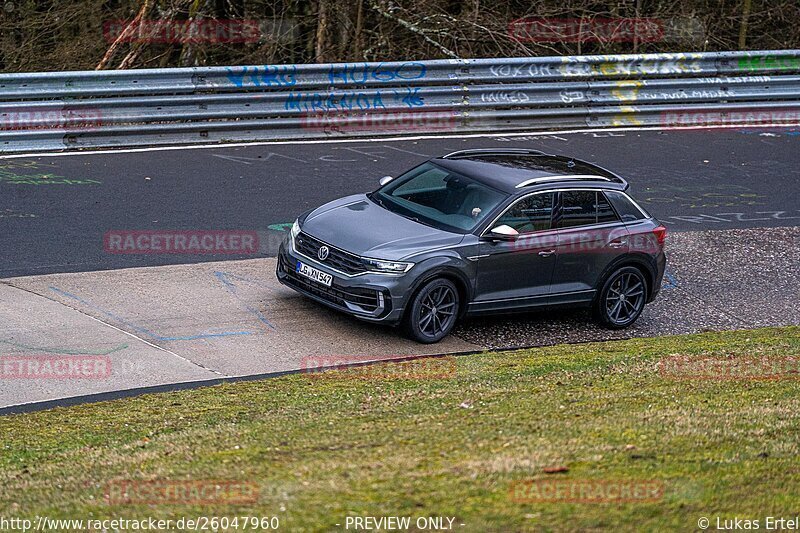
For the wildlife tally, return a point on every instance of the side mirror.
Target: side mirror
(386, 179)
(503, 232)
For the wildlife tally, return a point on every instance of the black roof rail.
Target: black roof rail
(491, 151)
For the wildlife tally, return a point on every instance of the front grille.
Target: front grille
(367, 299)
(338, 259)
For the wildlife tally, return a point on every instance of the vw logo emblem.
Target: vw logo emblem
(323, 253)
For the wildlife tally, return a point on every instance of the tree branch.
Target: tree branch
(412, 28)
(125, 34)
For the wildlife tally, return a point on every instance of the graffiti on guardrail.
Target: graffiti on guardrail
(338, 74)
(733, 80)
(635, 90)
(334, 101)
(576, 66)
(667, 66)
(264, 76)
(353, 100)
(768, 62)
(505, 97)
(350, 73)
(479, 101)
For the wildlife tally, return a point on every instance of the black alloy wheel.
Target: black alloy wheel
(622, 298)
(433, 312)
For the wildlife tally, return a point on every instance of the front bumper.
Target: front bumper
(372, 297)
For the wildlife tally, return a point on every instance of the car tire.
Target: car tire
(432, 312)
(621, 299)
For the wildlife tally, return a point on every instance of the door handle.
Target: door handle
(617, 244)
(547, 253)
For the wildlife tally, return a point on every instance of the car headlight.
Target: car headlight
(387, 267)
(295, 232)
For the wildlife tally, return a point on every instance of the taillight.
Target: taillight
(661, 235)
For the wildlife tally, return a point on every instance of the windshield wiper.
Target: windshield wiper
(374, 197)
(418, 221)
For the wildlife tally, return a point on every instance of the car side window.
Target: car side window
(605, 213)
(577, 209)
(584, 208)
(530, 214)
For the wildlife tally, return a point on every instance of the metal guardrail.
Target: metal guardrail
(98, 109)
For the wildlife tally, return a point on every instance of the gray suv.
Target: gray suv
(475, 232)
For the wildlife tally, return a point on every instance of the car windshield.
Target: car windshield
(440, 198)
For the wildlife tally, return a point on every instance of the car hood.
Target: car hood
(360, 226)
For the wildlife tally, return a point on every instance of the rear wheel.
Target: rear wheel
(621, 299)
(432, 312)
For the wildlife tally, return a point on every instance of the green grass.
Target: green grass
(321, 449)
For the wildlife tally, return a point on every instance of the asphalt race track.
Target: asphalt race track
(55, 210)
(729, 198)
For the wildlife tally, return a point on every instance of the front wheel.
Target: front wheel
(621, 299)
(433, 311)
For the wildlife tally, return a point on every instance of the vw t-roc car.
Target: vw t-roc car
(476, 232)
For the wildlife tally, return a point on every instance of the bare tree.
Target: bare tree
(54, 35)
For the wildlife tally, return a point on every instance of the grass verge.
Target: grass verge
(570, 424)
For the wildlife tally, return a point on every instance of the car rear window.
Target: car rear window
(626, 210)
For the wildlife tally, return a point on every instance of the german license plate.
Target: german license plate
(312, 273)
